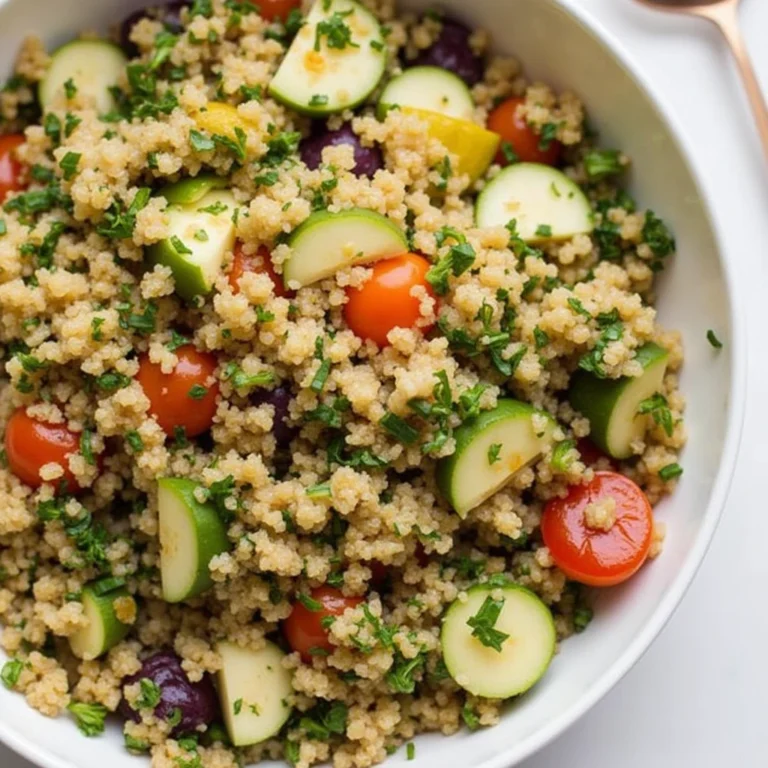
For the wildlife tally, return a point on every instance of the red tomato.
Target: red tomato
(256, 262)
(277, 9)
(30, 443)
(526, 143)
(176, 399)
(385, 301)
(11, 170)
(304, 629)
(592, 556)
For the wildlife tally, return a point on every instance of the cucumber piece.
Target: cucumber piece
(507, 435)
(255, 691)
(524, 656)
(103, 630)
(200, 234)
(429, 88)
(318, 80)
(94, 66)
(327, 242)
(611, 405)
(191, 535)
(546, 204)
(192, 190)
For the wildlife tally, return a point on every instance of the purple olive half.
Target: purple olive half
(191, 704)
(453, 52)
(368, 160)
(280, 398)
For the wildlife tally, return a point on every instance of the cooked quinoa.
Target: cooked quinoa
(81, 305)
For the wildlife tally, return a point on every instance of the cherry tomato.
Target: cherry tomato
(11, 170)
(526, 143)
(277, 9)
(592, 556)
(186, 397)
(30, 443)
(304, 629)
(256, 262)
(385, 301)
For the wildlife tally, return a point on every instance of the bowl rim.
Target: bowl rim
(39, 755)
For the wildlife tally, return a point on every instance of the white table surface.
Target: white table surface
(700, 695)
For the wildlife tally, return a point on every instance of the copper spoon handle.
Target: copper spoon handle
(726, 17)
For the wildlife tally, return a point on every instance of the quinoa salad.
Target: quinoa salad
(331, 385)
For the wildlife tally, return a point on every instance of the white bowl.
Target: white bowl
(562, 45)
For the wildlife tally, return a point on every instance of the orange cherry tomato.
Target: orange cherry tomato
(277, 9)
(30, 444)
(11, 170)
(526, 143)
(186, 397)
(592, 556)
(260, 261)
(385, 301)
(304, 629)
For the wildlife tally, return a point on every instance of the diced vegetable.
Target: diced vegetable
(327, 242)
(335, 61)
(191, 535)
(600, 534)
(368, 160)
(255, 691)
(544, 202)
(498, 642)
(452, 51)
(91, 66)
(430, 89)
(613, 405)
(103, 629)
(490, 450)
(520, 143)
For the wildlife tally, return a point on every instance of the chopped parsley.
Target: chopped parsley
(11, 672)
(508, 151)
(118, 222)
(69, 164)
(86, 448)
(177, 340)
(241, 380)
(484, 621)
(309, 603)
(493, 453)
(133, 438)
(70, 89)
(89, 717)
(400, 676)
(96, 332)
(400, 429)
(658, 407)
(149, 696)
(670, 472)
(657, 235)
(544, 230)
(200, 142)
(198, 392)
(548, 135)
(600, 164)
(179, 246)
(318, 100)
(336, 31)
(612, 330)
(457, 261)
(325, 720)
(713, 340)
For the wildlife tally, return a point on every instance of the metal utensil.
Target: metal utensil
(724, 14)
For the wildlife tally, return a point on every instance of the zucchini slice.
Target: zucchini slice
(525, 655)
(546, 204)
(201, 233)
(93, 66)
(429, 88)
(103, 630)
(191, 535)
(255, 691)
(490, 450)
(327, 242)
(611, 405)
(323, 73)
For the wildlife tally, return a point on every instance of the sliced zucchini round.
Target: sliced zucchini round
(255, 691)
(612, 405)
(191, 535)
(93, 66)
(327, 242)
(546, 204)
(525, 654)
(320, 79)
(201, 234)
(103, 629)
(490, 450)
(430, 88)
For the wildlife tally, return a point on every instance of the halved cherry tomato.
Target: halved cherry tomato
(260, 261)
(304, 628)
(385, 301)
(526, 143)
(11, 170)
(184, 398)
(277, 9)
(30, 444)
(592, 556)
